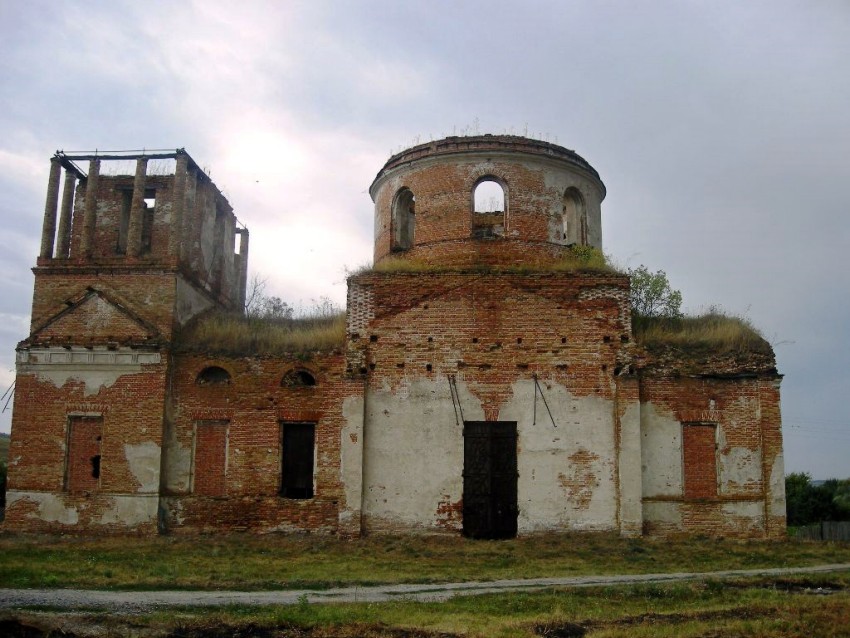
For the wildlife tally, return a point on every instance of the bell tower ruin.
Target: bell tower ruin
(125, 260)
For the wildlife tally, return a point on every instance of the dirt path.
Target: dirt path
(144, 600)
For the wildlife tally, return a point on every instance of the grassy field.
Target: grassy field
(280, 562)
(755, 607)
(801, 607)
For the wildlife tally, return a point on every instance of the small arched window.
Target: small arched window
(574, 218)
(403, 219)
(212, 375)
(297, 379)
(489, 196)
(489, 204)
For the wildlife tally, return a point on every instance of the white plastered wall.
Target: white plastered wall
(413, 456)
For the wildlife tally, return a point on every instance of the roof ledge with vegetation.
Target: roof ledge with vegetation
(585, 259)
(235, 335)
(712, 344)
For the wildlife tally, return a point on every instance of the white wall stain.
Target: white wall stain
(661, 452)
(351, 461)
(740, 471)
(144, 461)
(776, 507)
(666, 513)
(566, 470)
(130, 510)
(51, 507)
(412, 461)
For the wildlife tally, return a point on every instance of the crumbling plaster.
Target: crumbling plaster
(661, 452)
(51, 506)
(739, 469)
(576, 453)
(351, 463)
(413, 452)
(95, 368)
(189, 302)
(130, 510)
(776, 485)
(144, 461)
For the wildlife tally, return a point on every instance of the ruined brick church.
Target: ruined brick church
(484, 390)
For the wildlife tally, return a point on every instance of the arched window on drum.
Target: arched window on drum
(574, 218)
(403, 220)
(489, 206)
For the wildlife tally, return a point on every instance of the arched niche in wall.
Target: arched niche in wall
(213, 375)
(298, 378)
(574, 217)
(489, 207)
(403, 219)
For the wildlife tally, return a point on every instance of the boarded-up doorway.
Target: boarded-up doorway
(489, 479)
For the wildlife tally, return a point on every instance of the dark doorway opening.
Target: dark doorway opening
(489, 479)
(298, 442)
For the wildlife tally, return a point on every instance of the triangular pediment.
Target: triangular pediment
(95, 317)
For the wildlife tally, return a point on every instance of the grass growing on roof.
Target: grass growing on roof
(232, 334)
(714, 331)
(577, 259)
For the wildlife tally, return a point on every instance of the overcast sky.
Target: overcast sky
(721, 130)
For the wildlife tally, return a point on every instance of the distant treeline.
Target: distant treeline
(808, 503)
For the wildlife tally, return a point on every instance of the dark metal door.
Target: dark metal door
(489, 479)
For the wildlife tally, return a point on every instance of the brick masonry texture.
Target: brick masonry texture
(228, 435)
(442, 177)
(610, 436)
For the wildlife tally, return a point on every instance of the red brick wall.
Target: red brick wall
(490, 329)
(746, 413)
(149, 295)
(254, 403)
(110, 202)
(444, 200)
(502, 251)
(131, 411)
(203, 250)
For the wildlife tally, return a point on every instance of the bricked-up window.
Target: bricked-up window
(574, 218)
(213, 375)
(297, 379)
(699, 459)
(298, 441)
(82, 472)
(403, 219)
(210, 462)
